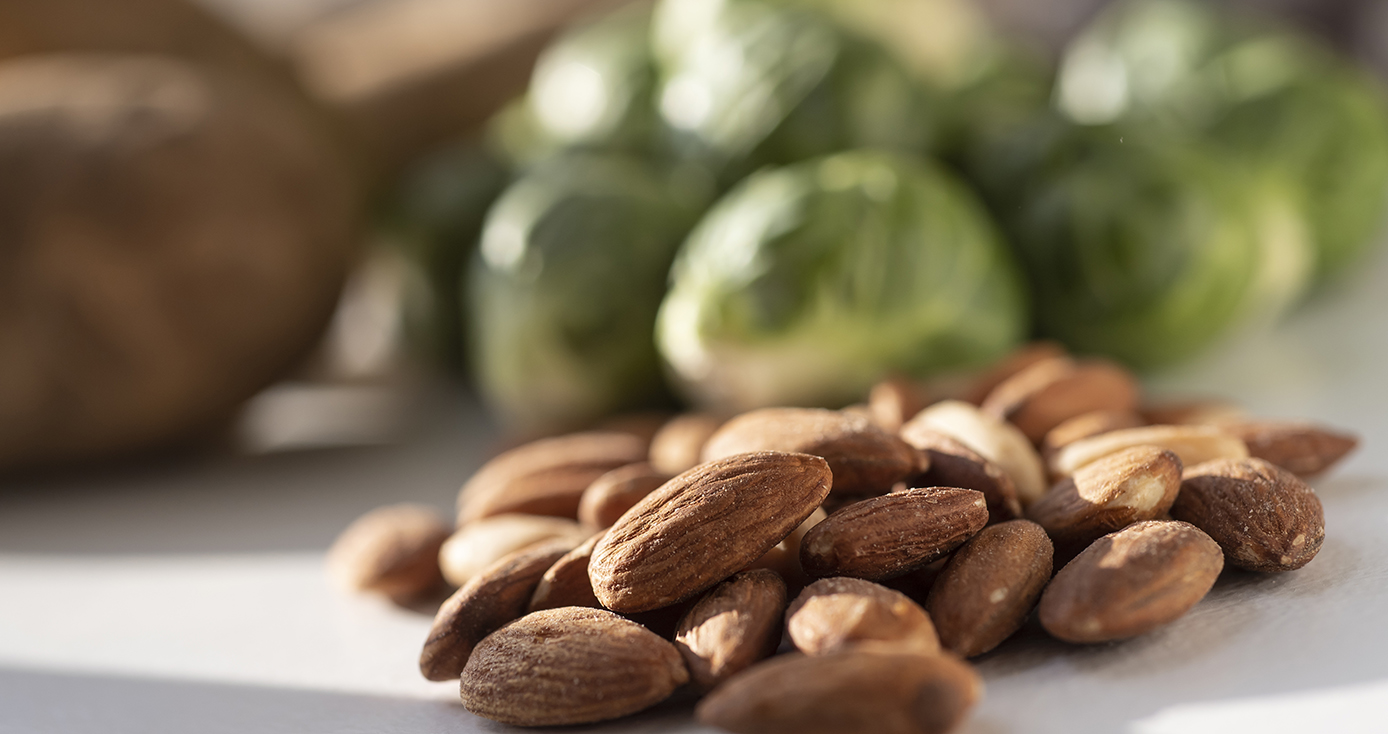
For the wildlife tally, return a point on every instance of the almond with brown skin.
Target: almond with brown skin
(994, 439)
(734, 625)
(1086, 425)
(836, 613)
(477, 545)
(617, 491)
(952, 464)
(1052, 391)
(1192, 444)
(864, 458)
(894, 401)
(1263, 516)
(989, 586)
(546, 477)
(1131, 582)
(890, 535)
(494, 597)
(393, 551)
(566, 584)
(1303, 449)
(679, 444)
(1118, 490)
(849, 691)
(703, 526)
(1024, 357)
(569, 666)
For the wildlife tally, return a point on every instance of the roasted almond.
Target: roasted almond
(1086, 425)
(478, 545)
(569, 666)
(864, 458)
(995, 440)
(734, 625)
(888, 536)
(703, 526)
(566, 584)
(1052, 391)
(1192, 444)
(393, 551)
(1303, 449)
(849, 691)
(679, 444)
(1131, 582)
(492, 598)
(836, 613)
(952, 464)
(894, 401)
(989, 586)
(1020, 359)
(615, 492)
(1263, 516)
(546, 477)
(1114, 492)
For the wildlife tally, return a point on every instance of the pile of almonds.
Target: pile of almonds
(600, 572)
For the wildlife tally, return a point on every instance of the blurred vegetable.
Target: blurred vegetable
(806, 284)
(570, 271)
(1273, 96)
(749, 83)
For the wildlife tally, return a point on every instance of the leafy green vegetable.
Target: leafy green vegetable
(570, 271)
(805, 284)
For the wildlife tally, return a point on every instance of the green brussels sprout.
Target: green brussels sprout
(748, 84)
(1274, 97)
(806, 284)
(1147, 248)
(572, 265)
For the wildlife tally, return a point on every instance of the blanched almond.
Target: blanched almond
(1192, 444)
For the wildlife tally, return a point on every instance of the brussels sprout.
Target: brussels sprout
(1147, 248)
(805, 284)
(572, 265)
(750, 83)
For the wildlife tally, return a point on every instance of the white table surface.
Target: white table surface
(189, 596)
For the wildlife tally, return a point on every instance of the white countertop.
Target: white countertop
(189, 596)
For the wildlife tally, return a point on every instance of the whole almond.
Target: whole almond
(864, 458)
(995, 440)
(492, 598)
(1263, 516)
(952, 464)
(890, 535)
(1024, 357)
(679, 444)
(836, 613)
(612, 494)
(569, 666)
(479, 544)
(1052, 391)
(1086, 425)
(566, 584)
(1131, 582)
(734, 625)
(989, 586)
(1193, 444)
(1303, 449)
(1114, 492)
(393, 551)
(546, 477)
(894, 401)
(703, 526)
(849, 691)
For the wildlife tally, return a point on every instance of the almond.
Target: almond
(890, 535)
(703, 526)
(679, 444)
(1114, 492)
(864, 458)
(566, 584)
(492, 598)
(612, 494)
(1024, 357)
(894, 401)
(1263, 516)
(784, 558)
(836, 613)
(393, 551)
(734, 625)
(1085, 425)
(989, 586)
(478, 545)
(569, 666)
(1303, 449)
(995, 440)
(546, 477)
(1192, 444)
(952, 464)
(1205, 412)
(850, 691)
(1131, 582)
(1052, 391)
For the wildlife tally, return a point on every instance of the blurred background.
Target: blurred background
(254, 225)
